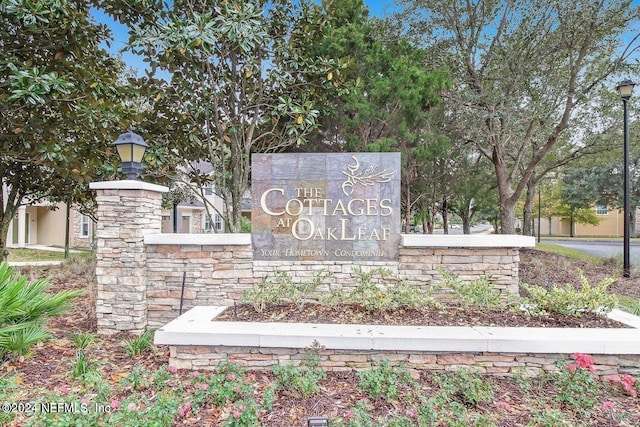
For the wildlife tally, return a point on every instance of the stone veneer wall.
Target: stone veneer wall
(500, 364)
(217, 274)
(140, 272)
(127, 210)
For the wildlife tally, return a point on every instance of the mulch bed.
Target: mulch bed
(448, 316)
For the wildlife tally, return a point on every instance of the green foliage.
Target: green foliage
(137, 378)
(629, 304)
(376, 297)
(572, 301)
(385, 381)
(303, 380)
(467, 386)
(136, 346)
(82, 340)
(244, 414)
(161, 376)
(358, 416)
(548, 417)
(24, 309)
(83, 368)
(249, 84)
(263, 294)
(61, 104)
(302, 293)
(576, 386)
(479, 292)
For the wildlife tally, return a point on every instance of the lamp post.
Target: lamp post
(626, 89)
(131, 148)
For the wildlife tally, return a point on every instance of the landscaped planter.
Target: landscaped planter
(197, 341)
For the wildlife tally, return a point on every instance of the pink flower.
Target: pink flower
(186, 408)
(115, 404)
(131, 407)
(412, 413)
(231, 377)
(571, 367)
(584, 361)
(348, 414)
(236, 414)
(608, 405)
(625, 381)
(172, 369)
(64, 389)
(201, 386)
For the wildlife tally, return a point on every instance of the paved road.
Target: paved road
(601, 248)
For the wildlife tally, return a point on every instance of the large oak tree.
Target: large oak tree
(525, 73)
(58, 103)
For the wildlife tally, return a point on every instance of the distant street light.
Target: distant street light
(626, 89)
(131, 148)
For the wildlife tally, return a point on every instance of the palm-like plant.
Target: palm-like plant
(24, 309)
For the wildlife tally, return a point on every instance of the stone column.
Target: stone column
(127, 211)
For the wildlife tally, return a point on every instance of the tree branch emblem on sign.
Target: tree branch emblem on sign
(366, 177)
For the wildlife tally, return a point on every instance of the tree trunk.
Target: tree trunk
(445, 215)
(527, 211)
(407, 209)
(507, 217)
(571, 234)
(4, 231)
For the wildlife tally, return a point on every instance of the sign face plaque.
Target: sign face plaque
(326, 207)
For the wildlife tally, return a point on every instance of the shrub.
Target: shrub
(262, 294)
(468, 386)
(136, 346)
(24, 309)
(384, 381)
(479, 292)
(571, 301)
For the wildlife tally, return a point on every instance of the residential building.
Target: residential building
(44, 223)
(611, 224)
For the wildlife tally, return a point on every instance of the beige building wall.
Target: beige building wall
(611, 225)
(51, 225)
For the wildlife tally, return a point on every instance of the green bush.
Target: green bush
(571, 301)
(467, 386)
(385, 381)
(479, 292)
(24, 309)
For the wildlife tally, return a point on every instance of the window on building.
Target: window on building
(85, 226)
(208, 190)
(216, 223)
(602, 210)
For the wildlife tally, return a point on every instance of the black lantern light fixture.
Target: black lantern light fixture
(626, 89)
(318, 422)
(131, 148)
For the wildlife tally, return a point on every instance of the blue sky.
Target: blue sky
(120, 32)
(376, 8)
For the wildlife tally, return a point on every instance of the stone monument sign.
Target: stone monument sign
(326, 207)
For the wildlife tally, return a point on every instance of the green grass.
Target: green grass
(571, 253)
(27, 255)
